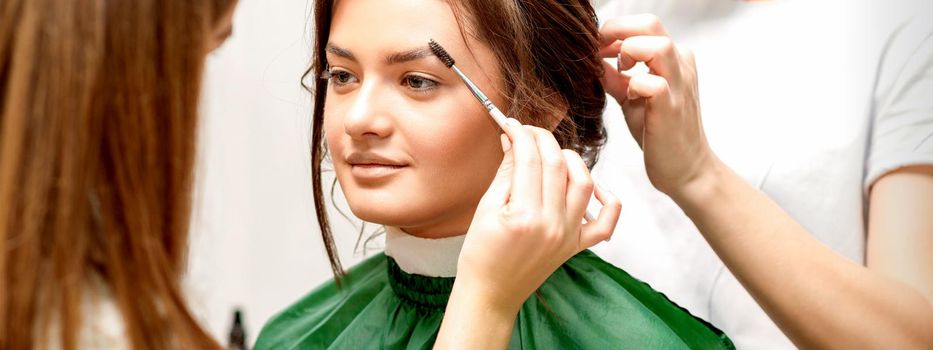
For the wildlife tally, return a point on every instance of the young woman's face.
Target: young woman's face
(411, 146)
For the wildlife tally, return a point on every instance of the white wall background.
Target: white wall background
(255, 242)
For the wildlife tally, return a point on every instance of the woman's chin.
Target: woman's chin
(430, 215)
(425, 222)
(385, 214)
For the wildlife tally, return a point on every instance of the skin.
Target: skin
(445, 168)
(223, 30)
(886, 304)
(416, 113)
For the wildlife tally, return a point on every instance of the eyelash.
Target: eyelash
(407, 81)
(335, 75)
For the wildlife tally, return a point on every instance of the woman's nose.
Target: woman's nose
(369, 115)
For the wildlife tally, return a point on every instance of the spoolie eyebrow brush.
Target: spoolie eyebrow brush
(494, 111)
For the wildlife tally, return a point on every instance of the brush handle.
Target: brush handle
(496, 114)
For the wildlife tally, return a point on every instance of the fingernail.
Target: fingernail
(625, 62)
(506, 144)
(513, 122)
(619, 62)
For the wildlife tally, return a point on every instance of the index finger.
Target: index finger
(624, 27)
(526, 171)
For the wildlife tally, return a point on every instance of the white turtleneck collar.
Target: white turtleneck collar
(424, 256)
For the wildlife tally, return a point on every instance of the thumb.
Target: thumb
(615, 83)
(501, 186)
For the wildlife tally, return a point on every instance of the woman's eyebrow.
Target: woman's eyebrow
(409, 55)
(393, 58)
(339, 51)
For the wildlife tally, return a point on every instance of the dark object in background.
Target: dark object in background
(237, 338)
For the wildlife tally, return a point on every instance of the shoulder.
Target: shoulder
(588, 298)
(908, 45)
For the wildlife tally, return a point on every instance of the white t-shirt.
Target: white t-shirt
(102, 326)
(810, 101)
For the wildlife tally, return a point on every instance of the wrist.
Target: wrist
(703, 188)
(472, 293)
(473, 311)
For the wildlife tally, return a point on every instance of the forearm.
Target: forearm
(817, 297)
(473, 321)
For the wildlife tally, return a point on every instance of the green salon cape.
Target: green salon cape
(586, 304)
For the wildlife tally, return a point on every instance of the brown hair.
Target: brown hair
(547, 52)
(98, 116)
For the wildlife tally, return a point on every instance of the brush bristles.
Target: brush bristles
(439, 51)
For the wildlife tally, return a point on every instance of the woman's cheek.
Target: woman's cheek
(443, 149)
(333, 129)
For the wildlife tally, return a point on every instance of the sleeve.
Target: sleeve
(102, 327)
(902, 121)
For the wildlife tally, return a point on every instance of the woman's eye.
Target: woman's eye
(341, 77)
(419, 83)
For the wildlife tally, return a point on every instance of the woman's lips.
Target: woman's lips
(370, 166)
(374, 171)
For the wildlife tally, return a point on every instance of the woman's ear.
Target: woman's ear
(548, 123)
(552, 124)
(557, 112)
(553, 121)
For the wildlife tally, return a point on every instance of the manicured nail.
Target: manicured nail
(619, 62)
